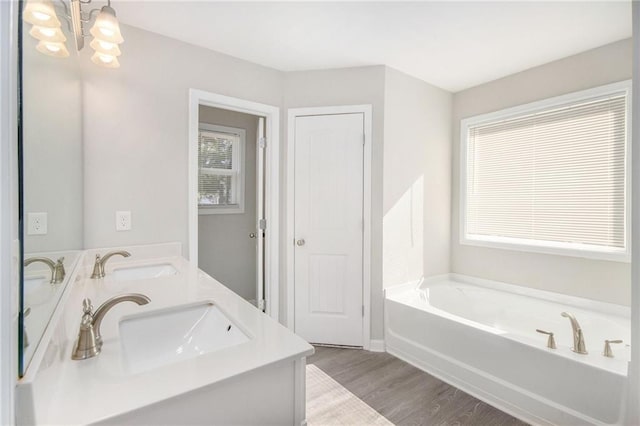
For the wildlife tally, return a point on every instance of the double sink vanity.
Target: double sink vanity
(156, 340)
(138, 335)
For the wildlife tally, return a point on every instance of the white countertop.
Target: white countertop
(79, 392)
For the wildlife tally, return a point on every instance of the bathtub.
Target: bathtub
(480, 336)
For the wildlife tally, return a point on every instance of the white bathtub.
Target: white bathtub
(480, 337)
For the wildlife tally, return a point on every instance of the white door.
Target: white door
(260, 210)
(329, 155)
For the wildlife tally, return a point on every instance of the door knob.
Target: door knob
(252, 235)
(301, 242)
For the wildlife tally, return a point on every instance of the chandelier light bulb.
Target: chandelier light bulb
(47, 34)
(105, 47)
(106, 26)
(108, 61)
(41, 16)
(41, 13)
(55, 49)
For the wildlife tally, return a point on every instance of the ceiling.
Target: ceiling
(452, 45)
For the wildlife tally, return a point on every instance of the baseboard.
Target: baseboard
(376, 346)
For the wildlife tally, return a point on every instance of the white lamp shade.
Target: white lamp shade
(107, 61)
(106, 27)
(56, 49)
(105, 47)
(41, 13)
(47, 34)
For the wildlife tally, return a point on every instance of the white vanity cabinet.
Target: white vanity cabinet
(258, 381)
(266, 396)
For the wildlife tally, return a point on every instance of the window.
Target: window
(220, 169)
(551, 177)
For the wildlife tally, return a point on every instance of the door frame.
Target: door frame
(366, 110)
(10, 245)
(271, 115)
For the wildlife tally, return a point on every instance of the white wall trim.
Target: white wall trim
(366, 110)
(272, 182)
(9, 249)
(632, 415)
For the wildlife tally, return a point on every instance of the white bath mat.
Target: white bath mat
(330, 404)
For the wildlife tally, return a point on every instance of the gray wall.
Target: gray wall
(136, 132)
(417, 179)
(601, 280)
(411, 140)
(136, 127)
(349, 86)
(225, 250)
(52, 119)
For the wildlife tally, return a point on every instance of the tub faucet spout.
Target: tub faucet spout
(579, 346)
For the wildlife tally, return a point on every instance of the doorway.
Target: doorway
(233, 195)
(231, 200)
(329, 227)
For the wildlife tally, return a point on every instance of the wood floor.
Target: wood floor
(403, 394)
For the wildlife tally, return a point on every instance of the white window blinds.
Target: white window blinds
(554, 177)
(218, 178)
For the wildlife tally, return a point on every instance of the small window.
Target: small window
(551, 176)
(220, 169)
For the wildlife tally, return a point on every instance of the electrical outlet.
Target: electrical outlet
(37, 223)
(123, 221)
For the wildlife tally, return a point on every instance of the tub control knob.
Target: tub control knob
(551, 341)
(607, 347)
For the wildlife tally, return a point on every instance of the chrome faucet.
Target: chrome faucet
(98, 265)
(57, 268)
(89, 342)
(579, 346)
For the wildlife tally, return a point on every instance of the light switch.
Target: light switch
(37, 223)
(123, 221)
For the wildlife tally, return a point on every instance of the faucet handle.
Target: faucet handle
(87, 308)
(551, 341)
(59, 271)
(607, 347)
(97, 268)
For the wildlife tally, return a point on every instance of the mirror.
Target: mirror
(52, 176)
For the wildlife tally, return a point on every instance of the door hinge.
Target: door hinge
(263, 142)
(262, 224)
(363, 310)
(364, 138)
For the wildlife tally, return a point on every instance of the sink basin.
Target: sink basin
(37, 290)
(154, 339)
(144, 272)
(34, 283)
